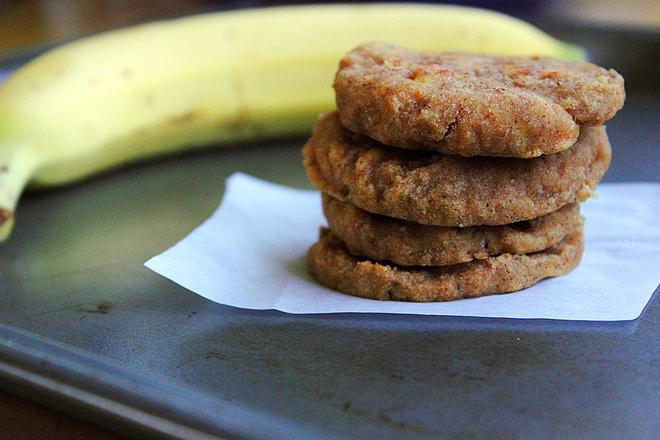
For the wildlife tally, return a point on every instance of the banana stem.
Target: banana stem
(16, 167)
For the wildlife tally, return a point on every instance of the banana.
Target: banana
(156, 88)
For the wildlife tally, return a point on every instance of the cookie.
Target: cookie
(472, 105)
(448, 190)
(411, 244)
(333, 266)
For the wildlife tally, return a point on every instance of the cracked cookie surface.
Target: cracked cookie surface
(472, 105)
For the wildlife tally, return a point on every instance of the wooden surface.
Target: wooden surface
(20, 419)
(30, 22)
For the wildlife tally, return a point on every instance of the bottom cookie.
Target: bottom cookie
(332, 265)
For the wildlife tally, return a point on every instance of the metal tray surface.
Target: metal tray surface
(84, 327)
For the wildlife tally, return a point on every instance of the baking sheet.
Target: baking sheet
(77, 308)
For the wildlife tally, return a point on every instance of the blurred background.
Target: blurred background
(32, 22)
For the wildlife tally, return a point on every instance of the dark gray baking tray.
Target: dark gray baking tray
(85, 328)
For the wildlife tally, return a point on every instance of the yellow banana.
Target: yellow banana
(152, 89)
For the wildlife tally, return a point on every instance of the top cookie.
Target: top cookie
(472, 105)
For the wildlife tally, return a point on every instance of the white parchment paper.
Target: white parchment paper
(251, 253)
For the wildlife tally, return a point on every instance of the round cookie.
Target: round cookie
(445, 190)
(411, 244)
(332, 265)
(472, 105)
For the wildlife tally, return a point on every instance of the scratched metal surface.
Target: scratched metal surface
(99, 322)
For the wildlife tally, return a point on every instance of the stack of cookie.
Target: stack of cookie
(447, 176)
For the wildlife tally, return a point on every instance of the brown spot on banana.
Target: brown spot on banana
(5, 215)
(183, 118)
(6, 223)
